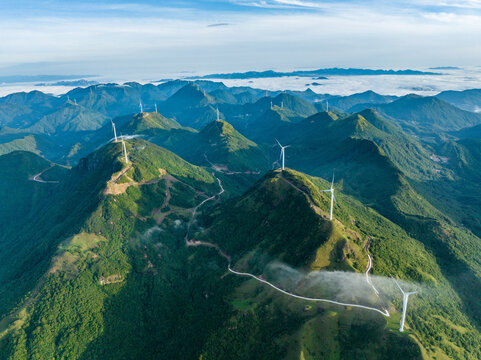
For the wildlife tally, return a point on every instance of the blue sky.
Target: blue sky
(151, 38)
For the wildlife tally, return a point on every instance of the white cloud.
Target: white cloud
(467, 4)
(362, 37)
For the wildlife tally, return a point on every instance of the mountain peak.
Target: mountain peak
(220, 130)
(148, 121)
(192, 93)
(323, 117)
(220, 127)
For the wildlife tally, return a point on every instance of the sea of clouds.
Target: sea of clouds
(426, 85)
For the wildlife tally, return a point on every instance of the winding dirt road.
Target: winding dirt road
(368, 279)
(194, 212)
(37, 178)
(385, 312)
(194, 243)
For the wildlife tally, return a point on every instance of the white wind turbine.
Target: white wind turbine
(115, 132)
(283, 153)
(156, 107)
(141, 110)
(405, 304)
(218, 117)
(125, 150)
(333, 198)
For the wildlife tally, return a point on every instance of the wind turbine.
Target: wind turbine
(282, 104)
(405, 304)
(271, 105)
(141, 110)
(327, 106)
(125, 150)
(115, 132)
(283, 153)
(156, 107)
(333, 198)
(218, 118)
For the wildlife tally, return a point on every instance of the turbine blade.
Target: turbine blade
(332, 184)
(279, 143)
(326, 190)
(334, 198)
(287, 146)
(398, 286)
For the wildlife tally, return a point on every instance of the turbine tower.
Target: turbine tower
(327, 106)
(271, 105)
(125, 151)
(115, 132)
(218, 117)
(333, 198)
(141, 110)
(282, 104)
(283, 153)
(156, 107)
(405, 304)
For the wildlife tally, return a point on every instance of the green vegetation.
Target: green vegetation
(393, 251)
(94, 262)
(427, 114)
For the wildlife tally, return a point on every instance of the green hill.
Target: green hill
(457, 194)
(115, 100)
(367, 173)
(118, 272)
(187, 97)
(147, 122)
(295, 104)
(169, 88)
(21, 109)
(236, 160)
(68, 118)
(471, 132)
(223, 96)
(321, 131)
(468, 100)
(427, 114)
(190, 106)
(258, 229)
(98, 201)
(346, 103)
(21, 194)
(221, 144)
(269, 125)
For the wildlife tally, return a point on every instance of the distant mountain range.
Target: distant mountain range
(81, 82)
(315, 73)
